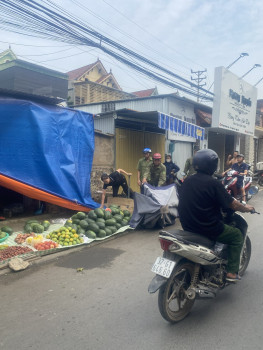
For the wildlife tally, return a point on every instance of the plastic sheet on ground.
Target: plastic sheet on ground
(157, 206)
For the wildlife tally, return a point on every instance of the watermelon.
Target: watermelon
(76, 221)
(126, 213)
(101, 234)
(92, 215)
(84, 224)
(107, 215)
(110, 222)
(108, 231)
(118, 225)
(91, 234)
(99, 212)
(80, 215)
(124, 222)
(7, 229)
(37, 228)
(27, 228)
(90, 221)
(46, 224)
(115, 211)
(118, 218)
(81, 231)
(94, 227)
(101, 225)
(113, 229)
(100, 220)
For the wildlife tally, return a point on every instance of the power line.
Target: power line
(146, 31)
(38, 20)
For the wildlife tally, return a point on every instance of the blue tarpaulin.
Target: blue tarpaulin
(48, 149)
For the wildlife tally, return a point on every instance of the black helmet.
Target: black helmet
(205, 161)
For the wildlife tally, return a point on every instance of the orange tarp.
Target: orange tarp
(35, 193)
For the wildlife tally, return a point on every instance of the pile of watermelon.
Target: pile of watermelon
(99, 222)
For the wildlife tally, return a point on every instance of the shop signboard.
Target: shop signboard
(235, 102)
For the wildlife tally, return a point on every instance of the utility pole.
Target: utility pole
(199, 79)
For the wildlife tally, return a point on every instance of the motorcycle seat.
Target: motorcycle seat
(190, 237)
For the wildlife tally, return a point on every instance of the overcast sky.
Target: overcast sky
(178, 34)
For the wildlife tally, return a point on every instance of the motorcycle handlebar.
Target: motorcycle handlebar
(254, 212)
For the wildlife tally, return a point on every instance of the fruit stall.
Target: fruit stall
(41, 238)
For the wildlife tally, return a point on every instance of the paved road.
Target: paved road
(52, 306)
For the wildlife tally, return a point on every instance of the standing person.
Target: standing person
(202, 198)
(188, 168)
(143, 166)
(115, 179)
(241, 168)
(171, 169)
(156, 174)
(231, 159)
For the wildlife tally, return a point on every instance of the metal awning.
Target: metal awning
(180, 127)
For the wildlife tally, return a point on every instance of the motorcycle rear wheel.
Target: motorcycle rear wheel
(172, 300)
(260, 181)
(245, 257)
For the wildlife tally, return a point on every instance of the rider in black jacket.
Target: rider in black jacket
(201, 199)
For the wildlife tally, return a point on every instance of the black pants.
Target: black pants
(124, 185)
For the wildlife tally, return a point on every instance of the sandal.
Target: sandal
(233, 279)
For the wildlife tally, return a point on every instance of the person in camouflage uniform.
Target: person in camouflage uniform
(188, 168)
(143, 166)
(156, 174)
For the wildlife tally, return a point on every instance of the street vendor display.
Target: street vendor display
(42, 237)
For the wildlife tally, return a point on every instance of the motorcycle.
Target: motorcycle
(193, 266)
(258, 174)
(229, 181)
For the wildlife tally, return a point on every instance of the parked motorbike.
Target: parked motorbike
(258, 174)
(229, 181)
(193, 266)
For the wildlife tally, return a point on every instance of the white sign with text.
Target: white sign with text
(235, 103)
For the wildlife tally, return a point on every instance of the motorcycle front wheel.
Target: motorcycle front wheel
(244, 261)
(172, 299)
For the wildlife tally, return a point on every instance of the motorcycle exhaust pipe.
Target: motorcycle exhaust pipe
(205, 293)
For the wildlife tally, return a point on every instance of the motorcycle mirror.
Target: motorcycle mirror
(253, 190)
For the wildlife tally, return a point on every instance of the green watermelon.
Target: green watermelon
(107, 215)
(91, 234)
(84, 224)
(118, 218)
(101, 225)
(108, 231)
(118, 225)
(80, 215)
(101, 234)
(126, 213)
(110, 222)
(94, 227)
(92, 215)
(99, 212)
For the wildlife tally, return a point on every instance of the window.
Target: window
(107, 107)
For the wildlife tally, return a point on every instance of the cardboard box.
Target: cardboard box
(123, 203)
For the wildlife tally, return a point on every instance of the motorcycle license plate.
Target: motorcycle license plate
(163, 267)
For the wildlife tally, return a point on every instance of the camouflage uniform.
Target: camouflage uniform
(156, 175)
(143, 166)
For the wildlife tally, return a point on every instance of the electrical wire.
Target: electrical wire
(38, 20)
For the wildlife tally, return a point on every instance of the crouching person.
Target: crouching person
(115, 179)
